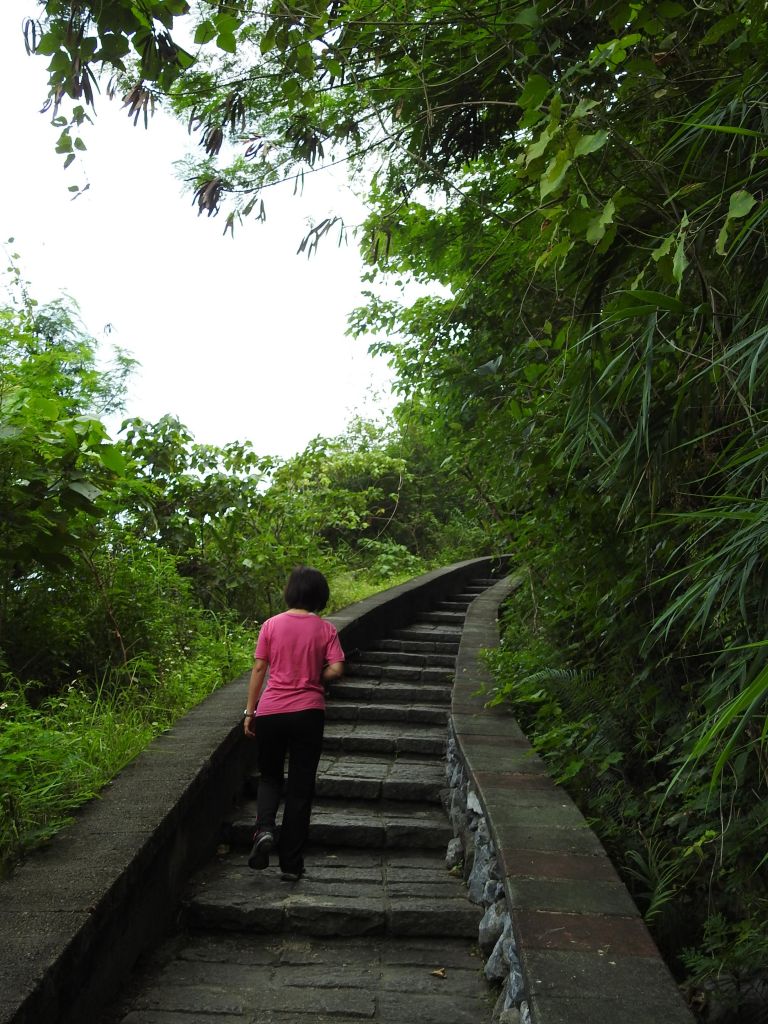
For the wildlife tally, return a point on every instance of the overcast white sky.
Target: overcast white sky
(233, 335)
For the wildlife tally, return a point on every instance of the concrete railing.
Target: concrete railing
(75, 915)
(569, 943)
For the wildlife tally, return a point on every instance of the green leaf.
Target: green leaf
(590, 143)
(599, 223)
(226, 41)
(305, 64)
(492, 366)
(679, 260)
(88, 490)
(555, 173)
(528, 17)
(64, 143)
(44, 408)
(205, 32)
(112, 458)
(268, 41)
(663, 249)
(539, 147)
(614, 52)
(226, 23)
(557, 252)
(740, 205)
(721, 28)
(670, 9)
(534, 92)
(641, 301)
(534, 371)
(184, 59)
(583, 108)
(48, 45)
(724, 129)
(290, 88)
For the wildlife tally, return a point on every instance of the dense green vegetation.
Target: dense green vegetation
(134, 571)
(588, 182)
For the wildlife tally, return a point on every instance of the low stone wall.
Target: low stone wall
(76, 914)
(560, 932)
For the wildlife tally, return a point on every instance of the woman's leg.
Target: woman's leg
(271, 737)
(305, 742)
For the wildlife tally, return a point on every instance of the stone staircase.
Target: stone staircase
(377, 929)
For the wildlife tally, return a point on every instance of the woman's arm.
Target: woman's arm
(254, 689)
(333, 671)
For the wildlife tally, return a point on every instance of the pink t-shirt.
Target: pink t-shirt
(297, 647)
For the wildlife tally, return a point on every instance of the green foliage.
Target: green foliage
(389, 559)
(54, 758)
(58, 753)
(57, 460)
(133, 572)
(617, 735)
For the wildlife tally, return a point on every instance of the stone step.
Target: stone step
(383, 690)
(236, 978)
(448, 618)
(384, 825)
(383, 737)
(409, 673)
(419, 646)
(428, 631)
(347, 711)
(375, 777)
(344, 893)
(454, 605)
(419, 659)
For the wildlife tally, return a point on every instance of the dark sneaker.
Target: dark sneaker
(262, 844)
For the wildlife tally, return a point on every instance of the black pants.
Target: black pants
(300, 735)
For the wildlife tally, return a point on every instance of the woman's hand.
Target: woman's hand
(249, 726)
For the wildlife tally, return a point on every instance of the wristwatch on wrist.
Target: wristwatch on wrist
(247, 713)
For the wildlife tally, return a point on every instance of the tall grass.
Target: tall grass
(57, 754)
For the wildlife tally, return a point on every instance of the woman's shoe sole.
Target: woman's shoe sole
(259, 855)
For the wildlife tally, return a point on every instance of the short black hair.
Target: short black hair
(307, 588)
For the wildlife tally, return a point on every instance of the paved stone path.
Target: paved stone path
(377, 930)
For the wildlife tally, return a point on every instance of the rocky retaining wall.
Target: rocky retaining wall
(560, 931)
